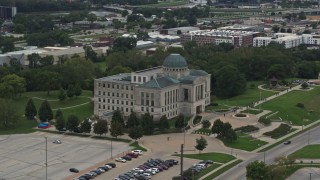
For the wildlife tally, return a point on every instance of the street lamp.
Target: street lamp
(46, 157)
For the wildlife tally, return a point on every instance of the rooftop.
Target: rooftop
(175, 61)
(160, 82)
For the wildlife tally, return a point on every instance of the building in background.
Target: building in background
(7, 12)
(168, 90)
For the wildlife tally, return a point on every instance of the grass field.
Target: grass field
(222, 170)
(245, 142)
(215, 157)
(25, 126)
(252, 111)
(167, 4)
(308, 152)
(245, 99)
(287, 109)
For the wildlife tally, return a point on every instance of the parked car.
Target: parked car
(287, 142)
(134, 155)
(155, 169)
(96, 171)
(57, 141)
(74, 170)
(175, 162)
(139, 152)
(128, 158)
(206, 162)
(101, 170)
(113, 165)
(138, 169)
(121, 160)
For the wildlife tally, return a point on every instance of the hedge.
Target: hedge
(264, 121)
(247, 129)
(282, 130)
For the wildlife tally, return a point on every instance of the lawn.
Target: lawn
(206, 171)
(286, 107)
(244, 142)
(252, 111)
(308, 152)
(25, 126)
(215, 157)
(222, 170)
(136, 146)
(245, 99)
(167, 4)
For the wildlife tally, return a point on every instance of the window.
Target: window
(112, 108)
(152, 103)
(147, 109)
(127, 88)
(139, 79)
(121, 86)
(127, 96)
(108, 85)
(112, 101)
(142, 109)
(122, 102)
(104, 100)
(131, 96)
(112, 85)
(108, 100)
(99, 99)
(127, 102)
(131, 88)
(142, 102)
(117, 94)
(104, 93)
(144, 79)
(99, 84)
(117, 86)
(108, 93)
(151, 109)
(104, 107)
(117, 101)
(99, 106)
(142, 94)
(99, 92)
(131, 103)
(147, 102)
(108, 107)
(104, 85)
(112, 94)
(127, 110)
(134, 78)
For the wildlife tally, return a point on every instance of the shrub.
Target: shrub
(206, 124)
(214, 104)
(300, 105)
(252, 86)
(304, 85)
(282, 130)
(264, 121)
(241, 115)
(301, 162)
(197, 120)
(247, 129)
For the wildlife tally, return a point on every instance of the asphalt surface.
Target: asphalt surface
(299, 141)
(24, 156)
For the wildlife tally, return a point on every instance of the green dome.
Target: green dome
(175, 61)
(194, 72)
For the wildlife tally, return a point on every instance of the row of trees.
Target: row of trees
(45, 112)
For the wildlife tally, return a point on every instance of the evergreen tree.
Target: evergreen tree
(30, 111)
(70, 91)
(86, 126)
(164, 123)
(62, 95)
(116, 129)
(45, 112)
(77, 90)
(217, 127)
(117, 117)
(133, 120)
(147, 124)
(101, 127)
(60, 124)
(201, 144)
(180, 122)
(72, 123)
(135, 132)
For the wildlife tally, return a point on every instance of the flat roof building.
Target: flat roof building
(167, 90)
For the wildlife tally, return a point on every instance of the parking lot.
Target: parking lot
(24, 156)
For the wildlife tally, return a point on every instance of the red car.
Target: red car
(132, 155)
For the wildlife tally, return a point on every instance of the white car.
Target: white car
(155, 169)
(147, 175)
(139, 152)
(137, 169)
(57, 141)
(151, 172)
(121, 160)
(109, 167)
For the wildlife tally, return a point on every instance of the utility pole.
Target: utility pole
(308, 137)
(46, 158)
(264, 156)
(181, 164)
(111, 147)
(310, 175)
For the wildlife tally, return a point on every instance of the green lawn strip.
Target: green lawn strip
(166, 4)
(249, 96)
(206, 171)
(308, 152)
(81, 112)
(222, 170)
(112, 138)
(296, 167)
(136, 146)
(287, 138)
(215, 157)
(23, 126)
(252, 111)
(287, 109)
(244, 142)
(205, 131)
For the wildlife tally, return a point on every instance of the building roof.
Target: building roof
(175, 61)
(187, 79)
(160, 82)
(194, 72)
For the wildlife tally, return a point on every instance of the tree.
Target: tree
(34, 59)
(225, 128)
(163, 123)
(217, 127)
(117, 117)
(70, 91)
(11, 85)
(8, 113)
(86, 126)
(133, 120)
(257, 170)
(124, 13)
(116, 129)
(45, 112)
(60, 124)
(8, 45)
(46, 61)
(147, 124)
(49, 80)
(100, 127)
(124, 43)
(231, 135)
(62, 95)
(302, 15)
(135, 132)
(180, 122)
(201, 144)
(77, 90)
(72, 123)
(91, 18)
(229, 82)
(30, 110)
(206, 124)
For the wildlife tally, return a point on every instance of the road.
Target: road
(239, 172)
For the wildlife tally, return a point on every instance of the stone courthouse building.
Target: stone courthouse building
(168, 90)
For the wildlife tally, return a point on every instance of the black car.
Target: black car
(113, 165)
(74, 170)
(141, 177)
(206, 162)
(104, 168)
(83, 177)
(131, 176)
(175, 162)
(128, 158)
(170, 163)
(287, 142)
(96, 171)
(88, 176)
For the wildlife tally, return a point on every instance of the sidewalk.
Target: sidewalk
(220, 167)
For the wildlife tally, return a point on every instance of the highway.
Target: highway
(299, 141)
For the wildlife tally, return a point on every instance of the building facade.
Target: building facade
(168, 90)
(7, 12)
